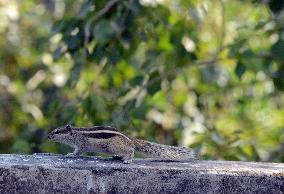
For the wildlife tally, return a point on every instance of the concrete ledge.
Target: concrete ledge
(59, 174)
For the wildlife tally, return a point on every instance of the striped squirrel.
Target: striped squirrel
(108, 140)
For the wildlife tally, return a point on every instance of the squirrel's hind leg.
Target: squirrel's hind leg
(77, 152)
(128, 158)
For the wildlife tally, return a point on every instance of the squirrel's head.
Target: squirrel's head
(60, 134)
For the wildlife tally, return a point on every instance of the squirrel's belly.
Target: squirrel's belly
(116, 145)
(101, 146)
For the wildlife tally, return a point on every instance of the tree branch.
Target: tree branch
(100, 13)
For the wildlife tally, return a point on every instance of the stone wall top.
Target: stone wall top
(51, 173)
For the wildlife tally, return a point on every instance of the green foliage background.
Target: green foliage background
(208, 74)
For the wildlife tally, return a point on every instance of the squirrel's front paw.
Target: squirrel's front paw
(70, 155)
(127, 161)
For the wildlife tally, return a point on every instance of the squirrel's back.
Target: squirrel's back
(159, 151)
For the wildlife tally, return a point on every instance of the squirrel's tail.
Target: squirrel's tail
(159, 151)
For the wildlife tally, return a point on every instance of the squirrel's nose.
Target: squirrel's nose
(49, 136)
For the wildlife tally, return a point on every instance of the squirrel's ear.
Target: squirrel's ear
(68, 127)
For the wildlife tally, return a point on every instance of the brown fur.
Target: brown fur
(109, 140)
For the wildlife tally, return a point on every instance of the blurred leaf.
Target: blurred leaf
(49, 147)
(73, 42)
(21, 146)
(58, 26)
(139, 112)
(103, 31)
(277, 50)
(217, 138)
(57, 53)
(137, 80)
(85, 9)
(154, 84)
(276, 5)
(179, 97)
(154, 87)
(255, 154)
(240, 69)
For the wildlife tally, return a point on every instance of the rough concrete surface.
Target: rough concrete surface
(58, 174)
